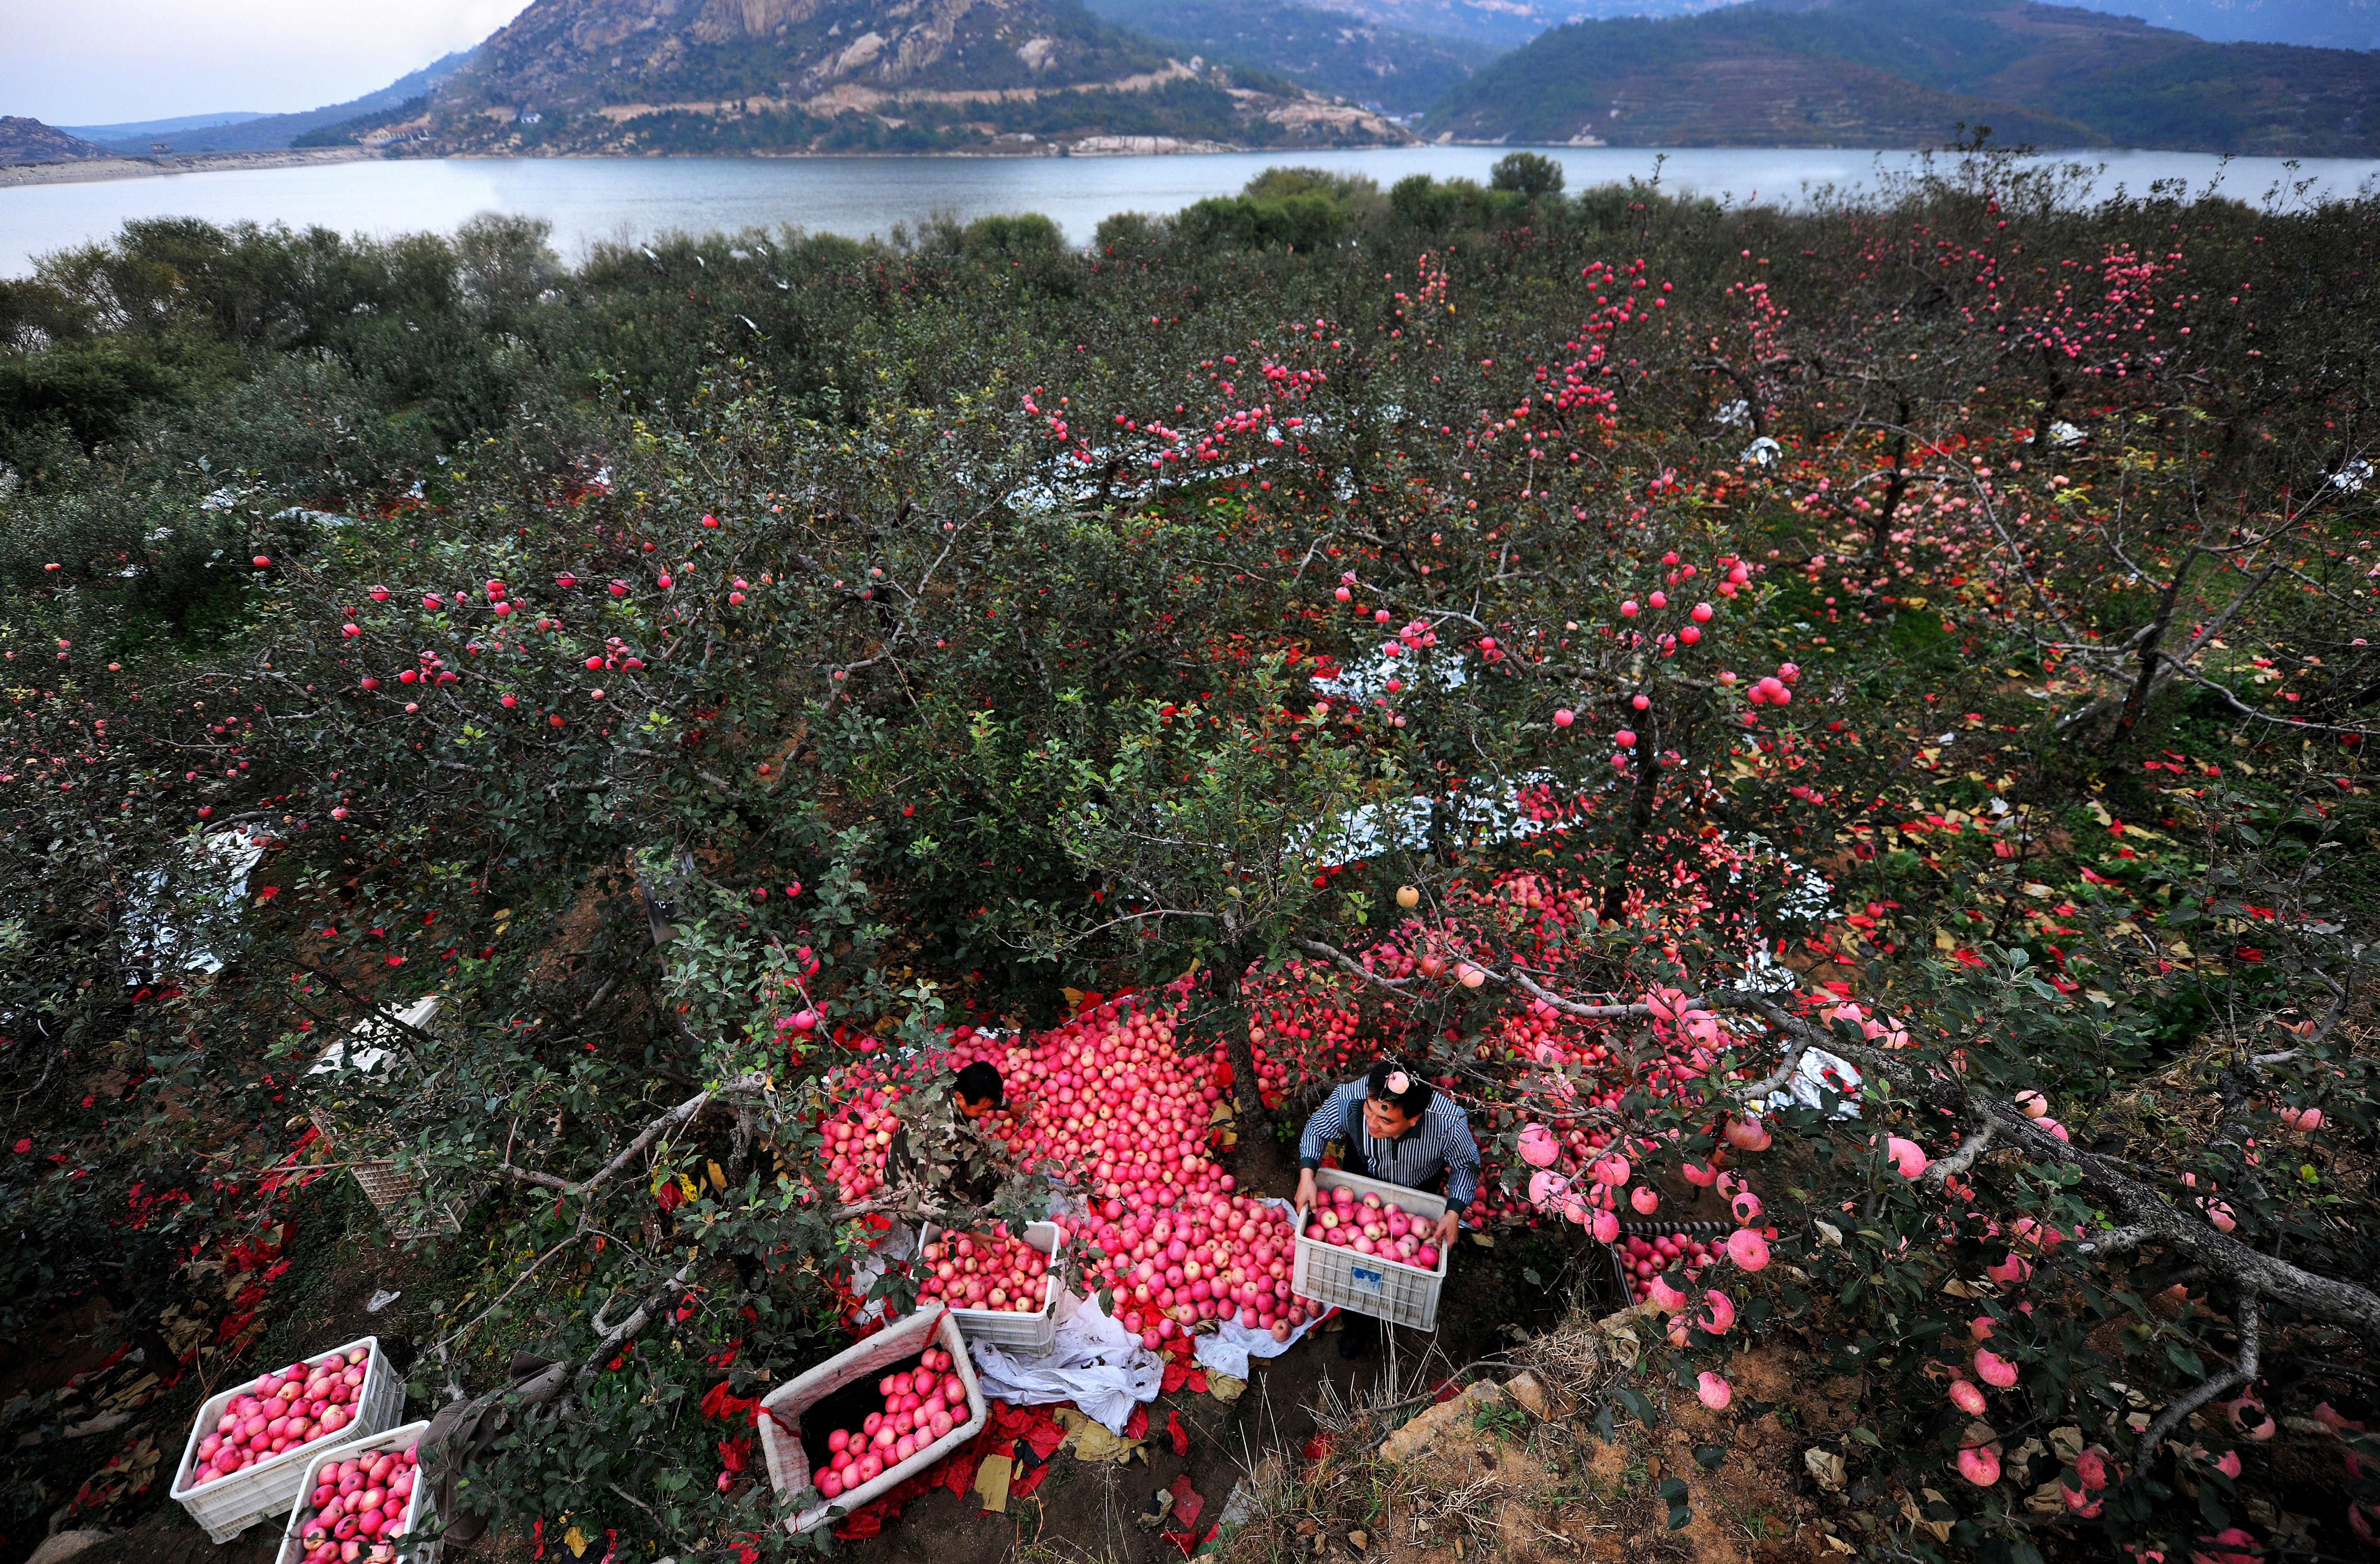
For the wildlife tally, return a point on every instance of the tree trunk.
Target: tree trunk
(1246, 1091)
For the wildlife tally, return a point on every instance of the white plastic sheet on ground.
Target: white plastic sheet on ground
(1819, 1073)
(1229, 1350)
(1094, 1363)
(896, 1247)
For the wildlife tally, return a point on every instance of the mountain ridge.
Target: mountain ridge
(1887, 73)
(27, 141)
(1327, 50)
(644, 76)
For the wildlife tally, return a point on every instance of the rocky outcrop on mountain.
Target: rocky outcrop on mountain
(788, 76)
(29, 142)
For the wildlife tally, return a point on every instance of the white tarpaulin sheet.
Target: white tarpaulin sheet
(1094, 1363)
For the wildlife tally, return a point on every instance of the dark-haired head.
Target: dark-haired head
(979, 1089)
(1398, 1086)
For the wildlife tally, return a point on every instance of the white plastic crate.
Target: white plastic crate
(781, 1447)
(366, 1050)
(1372, 1284)
(229, 1506)
(416, 1514)
(1031, 1334)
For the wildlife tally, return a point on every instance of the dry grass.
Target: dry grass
(1496, 1485)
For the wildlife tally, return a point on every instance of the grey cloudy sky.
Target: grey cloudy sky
(98, 62)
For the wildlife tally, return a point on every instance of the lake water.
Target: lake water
(594, 199)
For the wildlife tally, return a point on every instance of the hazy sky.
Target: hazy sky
(102, 62)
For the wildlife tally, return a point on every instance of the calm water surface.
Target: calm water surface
(594, 199)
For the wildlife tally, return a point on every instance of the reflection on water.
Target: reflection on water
(591, 199)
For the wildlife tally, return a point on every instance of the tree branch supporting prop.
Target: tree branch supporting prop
(2140, 1207)
(738, 1086)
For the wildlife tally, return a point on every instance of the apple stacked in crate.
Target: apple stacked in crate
(1370, 1224)
(920, 1407)
(285, 1409)
(981, 1272)
(360, 1506)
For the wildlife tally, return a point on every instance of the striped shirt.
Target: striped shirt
(1440, 1140)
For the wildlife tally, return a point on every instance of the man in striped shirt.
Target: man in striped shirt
(1392, 1127)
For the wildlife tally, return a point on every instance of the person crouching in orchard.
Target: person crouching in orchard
(945, 1152)
(1391, 1126)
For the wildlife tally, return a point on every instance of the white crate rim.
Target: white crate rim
(938, 1330)
(419, 1505)
(1323, 1272)
(1362, 1184)
(202, 1424)
(231, 1504)
(966, 1316)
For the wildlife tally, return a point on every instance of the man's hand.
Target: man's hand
(1305, 1201)
(1447, 1225)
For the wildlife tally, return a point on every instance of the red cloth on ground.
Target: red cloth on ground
(1022, 1485)
(1001, 1427)
(1187, 1502)
(1174, 1431)
(1136, 1427)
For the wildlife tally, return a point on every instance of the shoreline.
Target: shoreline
(93, 170)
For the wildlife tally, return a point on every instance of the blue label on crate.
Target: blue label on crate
(1367, 1278)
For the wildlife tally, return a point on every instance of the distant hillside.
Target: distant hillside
(1507, 24)
(1897, 73)
(1503, 24)
(29, 141)
(2321, 24)
(238, 133)
(777, 76)
(1328, 51)
(139, 129)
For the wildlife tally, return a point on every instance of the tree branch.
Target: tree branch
(735, 1086)
(2241, 1373)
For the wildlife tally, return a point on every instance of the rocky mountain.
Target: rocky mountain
(1900, 73)
(29, 141)
(1328, 51)
(786, 76)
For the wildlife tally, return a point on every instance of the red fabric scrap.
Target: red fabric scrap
(719, 1402)
(1177, 1373)
(1022, 1485)
(1046, 1435)
(1174, 1431)
(1191, 1541)
(1187, 1502)
(1136, 1427)
(1196, 1380)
